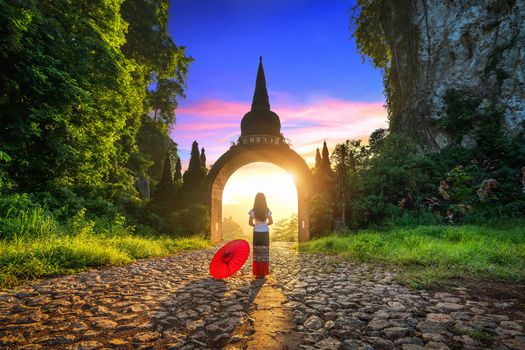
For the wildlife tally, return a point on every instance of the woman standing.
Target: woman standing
(260, 218)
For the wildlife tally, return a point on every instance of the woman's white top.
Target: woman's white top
(260, 226)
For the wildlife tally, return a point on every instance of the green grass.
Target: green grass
(34, 245)
(431, 256)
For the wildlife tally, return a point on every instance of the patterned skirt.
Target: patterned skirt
(261, 253)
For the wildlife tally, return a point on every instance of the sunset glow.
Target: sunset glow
(241, 188)
(215, 123)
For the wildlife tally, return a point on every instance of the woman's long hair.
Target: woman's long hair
(260, 208)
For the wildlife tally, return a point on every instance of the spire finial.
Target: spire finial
(260, 96)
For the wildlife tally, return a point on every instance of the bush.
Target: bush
(192, 220)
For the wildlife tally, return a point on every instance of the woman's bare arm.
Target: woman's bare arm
(270, 220)
(250, 221)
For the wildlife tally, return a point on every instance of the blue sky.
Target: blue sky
(310, 61)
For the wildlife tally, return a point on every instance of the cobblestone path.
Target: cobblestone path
(171, 303)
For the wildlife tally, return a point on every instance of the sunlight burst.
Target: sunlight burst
(241, 188)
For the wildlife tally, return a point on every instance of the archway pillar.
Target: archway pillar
(303, 217)
(216, 218)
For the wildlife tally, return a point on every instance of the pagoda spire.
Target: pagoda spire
(260, 102)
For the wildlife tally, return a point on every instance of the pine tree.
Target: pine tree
(321, 212)
(203, 161)
(193, 178)
(203, 158)
(326, 159)
(344, 162)
(164, 192)
(178, 171)
(167, 178)
(195, 163)
(318, 160)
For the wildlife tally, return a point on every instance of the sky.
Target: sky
(317, 82)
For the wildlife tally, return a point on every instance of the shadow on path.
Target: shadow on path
(270, 325)
(205, 312)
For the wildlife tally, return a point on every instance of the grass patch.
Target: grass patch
(431, 256)
(34, 245)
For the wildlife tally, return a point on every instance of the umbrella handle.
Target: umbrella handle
(227, 257)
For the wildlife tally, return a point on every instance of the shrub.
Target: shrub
(192, 220)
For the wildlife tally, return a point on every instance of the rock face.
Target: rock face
(438, 45)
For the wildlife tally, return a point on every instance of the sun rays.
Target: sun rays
(274, 182)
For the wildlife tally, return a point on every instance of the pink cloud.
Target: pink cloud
(215, 123)
(205, 126)
(213, 108)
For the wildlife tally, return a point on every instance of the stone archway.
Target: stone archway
(243, 154)
(260, 141)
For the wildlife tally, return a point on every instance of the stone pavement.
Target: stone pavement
(326, 303)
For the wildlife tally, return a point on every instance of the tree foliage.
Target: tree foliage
(321, 214)
(164, 64)
(178, 171)
(321, 206)
(68, 103)
(88, 92)
(318, 159)
(194, 176)
(369, 33)
(391, 178)
(376, 26)
(232, 230)
(286, 230)
(343, 163)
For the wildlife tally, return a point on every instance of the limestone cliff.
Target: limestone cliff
(436, 45)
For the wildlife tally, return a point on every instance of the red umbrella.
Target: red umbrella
(230, 258)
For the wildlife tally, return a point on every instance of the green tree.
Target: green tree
(163, 69)
(75, 92)
(323, 175)
(344, 162)
(167, 177)
(399, 168)
(69, 102)
(376, 140)
(285, 230)
(166, 195)
(321, 214)
(194, 178)
(318, 160)
(153, 143)
(325, 161)
(232, 230)
(164, 65)
(202, 159)
(178, 171)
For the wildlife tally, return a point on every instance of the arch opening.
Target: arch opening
(239, 192)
